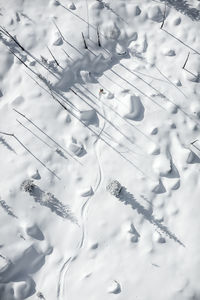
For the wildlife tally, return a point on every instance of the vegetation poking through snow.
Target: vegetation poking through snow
(47, 199)
(49, 64)
(3, 142)
(7, 208)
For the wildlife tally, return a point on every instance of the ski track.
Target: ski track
(84, 209)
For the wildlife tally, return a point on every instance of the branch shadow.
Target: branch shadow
(115, 112)
(13, 45)
(97, 112)
(48, 136)
(136, 88)
(129, 199)
(172, 35)
(30, 262)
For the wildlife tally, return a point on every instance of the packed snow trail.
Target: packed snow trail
(84, 209)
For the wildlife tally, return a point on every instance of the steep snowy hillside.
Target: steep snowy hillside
(99, 149)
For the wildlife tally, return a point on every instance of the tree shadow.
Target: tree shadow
(7, 289)
(14, 46)
(58, 151)
(7, 209)
(3, 142)
(30, 262)
(172, 35)
(129, 199)
(20, 270)
(184, 7)
(50, 201)
(114, 111)
(96, 110)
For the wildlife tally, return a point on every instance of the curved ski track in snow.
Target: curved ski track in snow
(84, 210)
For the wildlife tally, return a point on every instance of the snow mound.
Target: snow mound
(133, 108)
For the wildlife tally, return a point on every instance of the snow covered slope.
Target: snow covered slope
(91, 92)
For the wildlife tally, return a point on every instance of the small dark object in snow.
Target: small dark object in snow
(114, 187)
(28, 186)
(40, 295)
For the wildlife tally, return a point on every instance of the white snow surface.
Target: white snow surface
(123, 104)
